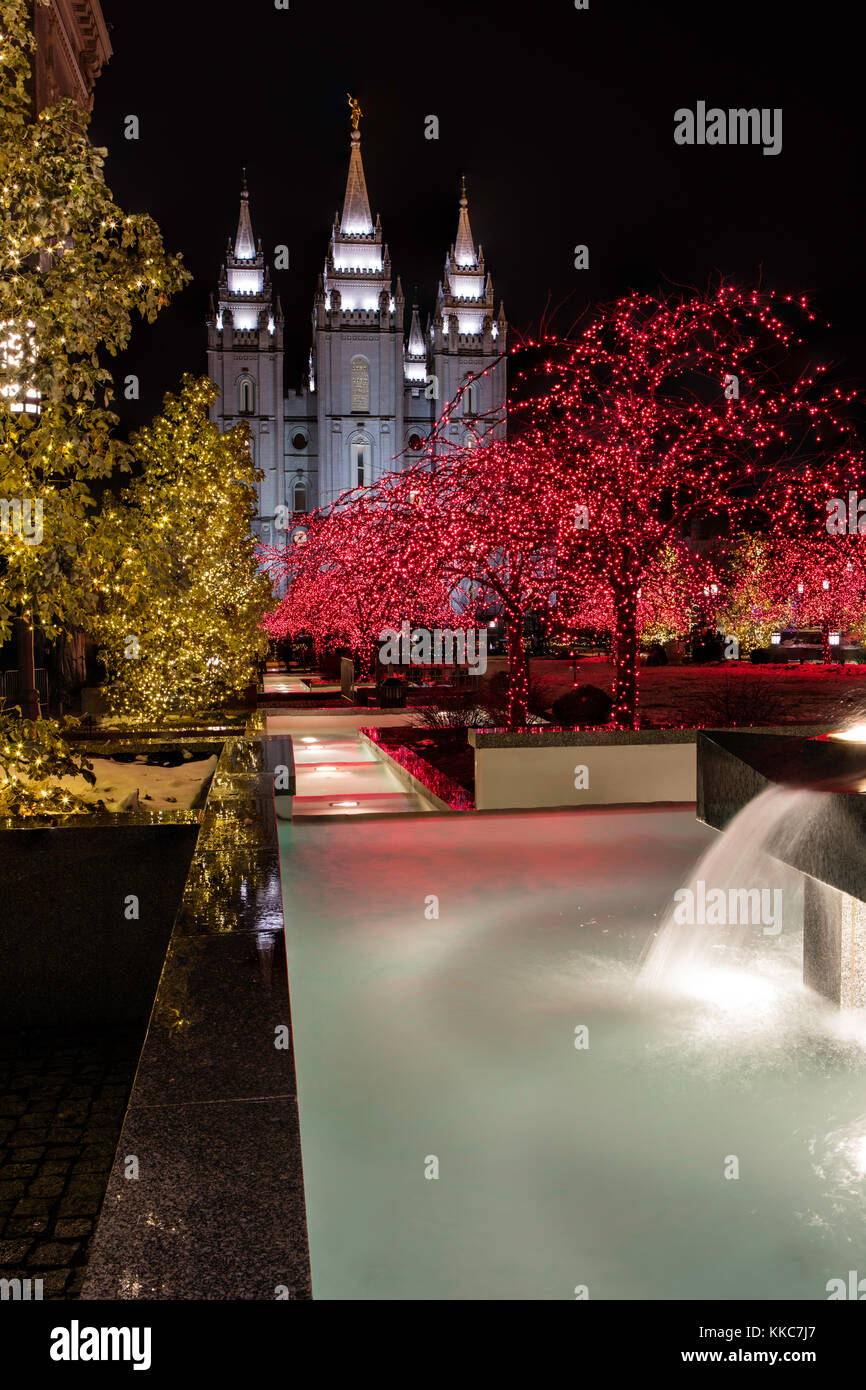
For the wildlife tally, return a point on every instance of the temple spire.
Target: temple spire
(416, 337)
(356, 206)
(245, 246)
(464, 247)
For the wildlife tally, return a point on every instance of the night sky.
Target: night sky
(562, 121)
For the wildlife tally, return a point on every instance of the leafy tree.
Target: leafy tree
(33, 755)
(756, 605)
(180, 599)
(74, 267)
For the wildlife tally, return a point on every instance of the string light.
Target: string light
(180, 630)
(665, 413)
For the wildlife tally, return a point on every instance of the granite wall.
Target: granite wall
(85, 919)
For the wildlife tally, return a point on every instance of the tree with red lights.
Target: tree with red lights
(342, 585)
(484, 523)
(667, 409)
(674, 594)
(824, 579)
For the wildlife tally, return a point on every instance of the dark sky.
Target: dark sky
(562, 120)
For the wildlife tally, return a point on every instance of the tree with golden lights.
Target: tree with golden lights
(74, 268)
(180, 597)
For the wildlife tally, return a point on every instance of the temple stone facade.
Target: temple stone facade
(377, 380)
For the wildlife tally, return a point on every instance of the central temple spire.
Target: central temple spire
(356, 205)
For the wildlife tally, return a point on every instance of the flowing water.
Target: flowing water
(703, 938)
(443, 971)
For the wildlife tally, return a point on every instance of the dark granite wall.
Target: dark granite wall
(69, 956)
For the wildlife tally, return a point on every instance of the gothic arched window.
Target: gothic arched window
(361, 456)
(300, 496)
(470, 398)
(360, 384)
(246, 396)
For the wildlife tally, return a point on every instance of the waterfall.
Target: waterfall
(741, 890)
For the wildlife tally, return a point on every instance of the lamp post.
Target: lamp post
(825, 624)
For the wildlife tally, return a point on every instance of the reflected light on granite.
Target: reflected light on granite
(130, 1285)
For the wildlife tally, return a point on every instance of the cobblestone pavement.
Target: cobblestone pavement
(62, 1101)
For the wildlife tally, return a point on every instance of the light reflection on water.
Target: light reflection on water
(560, 1166)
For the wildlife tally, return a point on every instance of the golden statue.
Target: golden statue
(355, 108)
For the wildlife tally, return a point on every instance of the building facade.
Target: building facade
(377, 381)
(72, 47)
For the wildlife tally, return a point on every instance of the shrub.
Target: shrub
(33, 757)
(493, 697)
(586, 704)
(742, 700)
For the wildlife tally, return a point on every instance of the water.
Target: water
(453, 1036)
(698, 957)
(337, 773)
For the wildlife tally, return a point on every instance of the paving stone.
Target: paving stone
(33, 1206)
(29, 1226)
(62, 1103)
(31, 1120)
(13, 1251)
(47, 1099)
(53, 1253)
(103, 1134)
(46, 1187)
(54, 1281)
(82, 1204)
(24, 1138)
(80, 1227)
(85, 1183)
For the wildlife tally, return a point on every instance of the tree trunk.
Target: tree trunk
(625, 653)
(28, 696)
(825, 643)
(518, 673)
